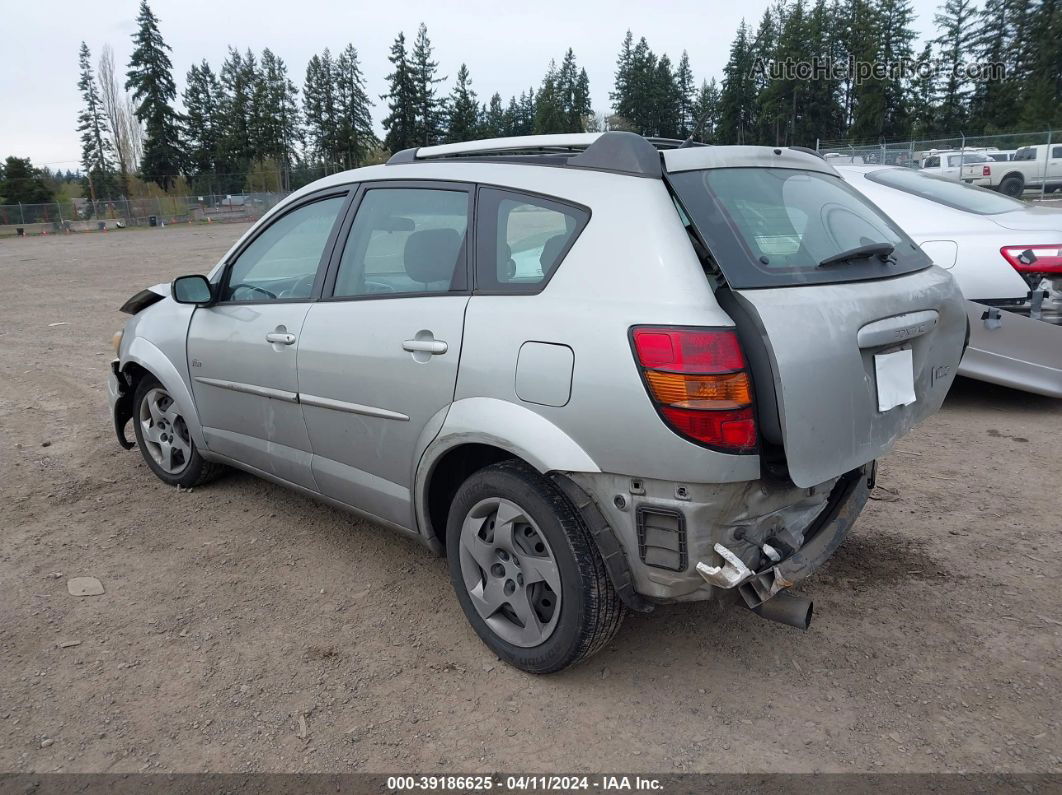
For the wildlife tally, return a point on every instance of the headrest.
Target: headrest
(551, 250)
(431, 255)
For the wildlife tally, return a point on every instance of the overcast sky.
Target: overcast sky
(507, 46)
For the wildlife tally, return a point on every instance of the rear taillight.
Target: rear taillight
(1034, 259)
(699, 383)
(986, 171)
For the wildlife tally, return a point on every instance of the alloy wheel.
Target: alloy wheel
(165, 432)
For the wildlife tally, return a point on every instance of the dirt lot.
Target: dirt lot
(245, 628)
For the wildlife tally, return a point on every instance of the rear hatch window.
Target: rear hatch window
(775, 227)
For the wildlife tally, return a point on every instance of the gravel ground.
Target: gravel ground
(246, 628)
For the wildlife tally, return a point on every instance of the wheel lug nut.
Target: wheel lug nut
(503, 555)
(519, 579)
(510, 587)
(497, 570)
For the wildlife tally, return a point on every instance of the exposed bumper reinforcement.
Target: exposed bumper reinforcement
(825, 536)
(121, 399)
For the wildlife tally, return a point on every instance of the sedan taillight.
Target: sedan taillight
(699, 383)
(1034, 259)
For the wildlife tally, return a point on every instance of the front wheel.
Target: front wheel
(163, 438)
(527, 572)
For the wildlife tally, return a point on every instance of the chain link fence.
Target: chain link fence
(83, 215)
(998, 148)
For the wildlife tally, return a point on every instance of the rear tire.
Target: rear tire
(162, 436)
(1012, 186)
(527, 572)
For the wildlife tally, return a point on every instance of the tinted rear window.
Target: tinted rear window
(967, 158)
(771, 227)
(946, 191)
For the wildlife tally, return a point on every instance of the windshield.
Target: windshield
(769, 227)
(945, 191)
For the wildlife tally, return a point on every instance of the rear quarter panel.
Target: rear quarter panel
(632, 265)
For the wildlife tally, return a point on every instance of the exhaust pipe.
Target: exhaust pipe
(786, 608)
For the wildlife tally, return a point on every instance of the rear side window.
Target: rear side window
(772, 227)
(1027, 153)
(946, 191)
(1056, 151)
(931, 162)
(522, 240)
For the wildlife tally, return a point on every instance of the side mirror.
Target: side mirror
(194, 289)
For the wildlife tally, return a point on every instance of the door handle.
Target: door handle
(279, 338)
(434, 347)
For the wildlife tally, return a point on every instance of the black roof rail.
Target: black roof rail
(615, 151)
(622, 152)
(403, 156)
(808, 151)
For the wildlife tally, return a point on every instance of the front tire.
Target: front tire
(527, 572)
(162, 436)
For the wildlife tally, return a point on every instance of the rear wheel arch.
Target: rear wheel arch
(1012, 183)
(452, 468)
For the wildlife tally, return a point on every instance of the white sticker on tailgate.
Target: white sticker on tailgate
(895, 377)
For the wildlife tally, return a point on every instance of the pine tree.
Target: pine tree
(21, 183)
(686, 89)
(763, 115)
(924, 97)
(581, 108)
(706, 112)
(896, 41)
(512, 117)
(275, 128)
(620, 96)
(823, 115)
(97, 151)
(493, 121)
(549, 113)
(738, 96)
(319, 106)
(463, 110)
(238, 80)
(642, 115)
(994, 103)
(1042, 99)
(665, 110)
(201, 98)
(151, 80)
(955, 22)
(401, 121)
(355, 138)
(858, 41)
(431, 110)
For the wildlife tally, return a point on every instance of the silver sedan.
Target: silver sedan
(1007, 259)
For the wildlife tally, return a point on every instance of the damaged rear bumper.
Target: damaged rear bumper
(665, 535)
(822, 540)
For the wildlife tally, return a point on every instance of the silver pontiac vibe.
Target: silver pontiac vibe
(599, 372)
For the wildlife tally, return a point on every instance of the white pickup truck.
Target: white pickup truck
(968, 166)
(1032, 167)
